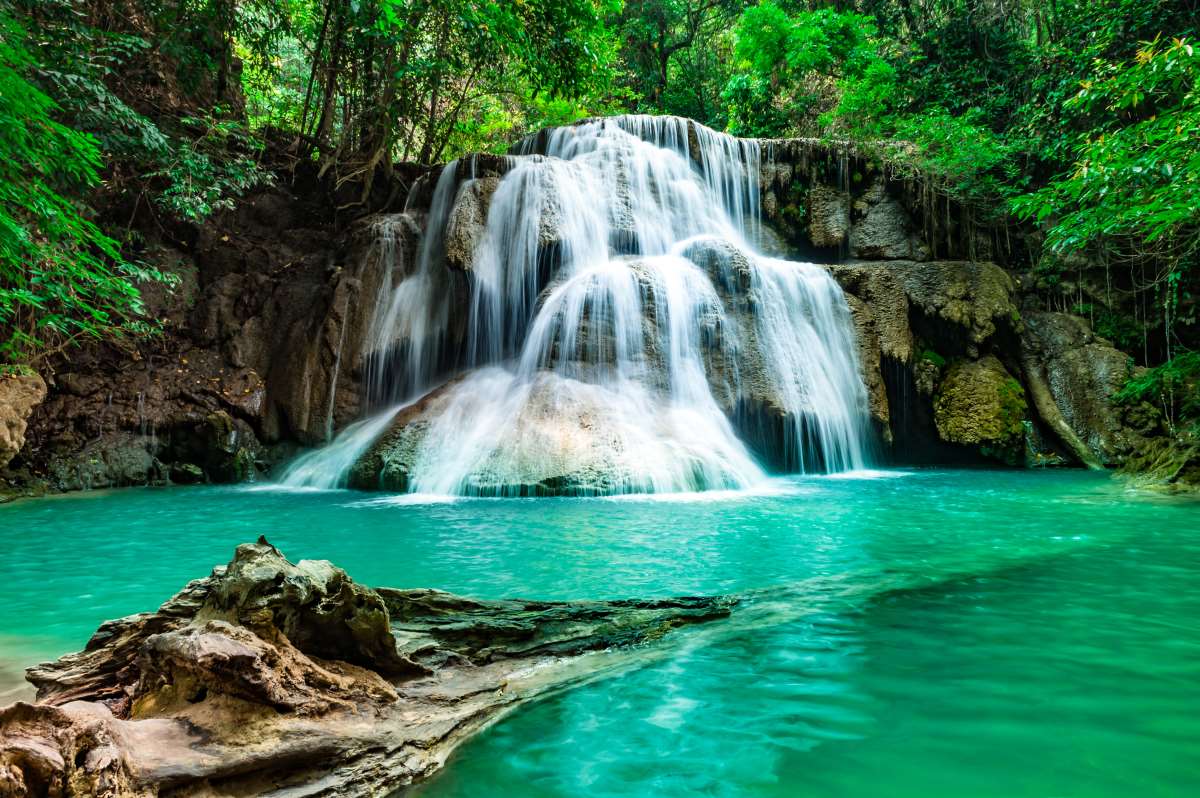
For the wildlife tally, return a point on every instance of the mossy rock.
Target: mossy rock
(980, 404)
(1166, 462)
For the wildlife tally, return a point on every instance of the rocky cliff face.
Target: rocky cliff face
(266, 340)
(261, 351)
(960, 361)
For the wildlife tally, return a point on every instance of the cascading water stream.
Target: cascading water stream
(623, 333)
(327, 468)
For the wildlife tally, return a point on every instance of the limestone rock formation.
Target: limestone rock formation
(956, 305)
(955, 297)
(1081, 372)
(265, 326)
(980, 404)
(571, 429)
(1170, 462)
(273, 677)
(870, 361)
(19, 395)
(266, 343)
(912, 318)
(828, 216)
(882, 228)
(468, 218)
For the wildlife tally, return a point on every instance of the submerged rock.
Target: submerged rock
(274, 677)
(494, 432)
(113, 460)
(1170, 462)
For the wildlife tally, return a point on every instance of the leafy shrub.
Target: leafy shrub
(1173, 386)
(930, 356)
(201, 174)
(786, 65)
(61, 278)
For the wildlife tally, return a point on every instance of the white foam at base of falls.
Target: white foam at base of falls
(621, 364)
(328, 468)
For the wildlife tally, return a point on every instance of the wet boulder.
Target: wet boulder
(1082, 372)
(468, 220)
(979, 404)
(114, 460)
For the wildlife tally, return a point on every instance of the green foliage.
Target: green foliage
(787, 65)
(961, 155)
(61, 278)
(1137, 171)
(750, 104)
(869, 103)
(968, 64)
(189, 166)
(202, 175)
(675, 56)
(1081, 118)
(362, 84)
(930, 356)
(1174, 386)
(15, 370)
(1134, 189)
(274, 85)
(1117, 327)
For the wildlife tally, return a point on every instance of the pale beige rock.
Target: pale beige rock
(468, 220)
(19, 395)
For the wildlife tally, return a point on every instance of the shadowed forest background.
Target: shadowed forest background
(1073, 127)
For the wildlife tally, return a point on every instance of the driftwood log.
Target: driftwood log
(279, 679)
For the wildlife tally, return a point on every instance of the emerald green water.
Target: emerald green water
(966, 633)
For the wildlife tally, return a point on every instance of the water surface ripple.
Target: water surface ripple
(966, 633)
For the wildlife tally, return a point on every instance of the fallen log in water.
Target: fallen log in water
(274, 678)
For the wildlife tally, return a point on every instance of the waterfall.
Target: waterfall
(412, 313)
(327, 468)
(621, 330)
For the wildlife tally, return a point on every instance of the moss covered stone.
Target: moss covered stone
(1166, 463)
(980, 404)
